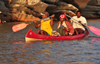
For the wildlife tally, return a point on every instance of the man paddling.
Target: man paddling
(46, 25)
(79, 22)
(64, 27)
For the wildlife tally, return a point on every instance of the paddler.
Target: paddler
(79, 22)
(64, 27)
(46, 25)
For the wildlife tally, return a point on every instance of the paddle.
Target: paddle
(92, 28)
(21, 26)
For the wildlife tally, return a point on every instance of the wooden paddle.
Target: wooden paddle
(21, 26)
(92, 28)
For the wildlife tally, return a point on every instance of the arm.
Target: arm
(66, 17)
(70, 27)
(51, 22)
(37, 25)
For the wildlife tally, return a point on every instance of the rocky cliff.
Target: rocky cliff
(29, 10)
(92, 10)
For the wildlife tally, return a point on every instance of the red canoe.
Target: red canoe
(32, 36)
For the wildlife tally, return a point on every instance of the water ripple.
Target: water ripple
(14, 49)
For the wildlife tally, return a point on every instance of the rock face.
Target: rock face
(29, 10)
(79, 3)
(92, 10)
(5, 15)
(63, 7)
(39, 7)
(19, 11)
(51, 1)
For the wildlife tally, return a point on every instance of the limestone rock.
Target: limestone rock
(29, 10)
(93, 2)
(91, 11)
(79, 3)
(13, 17)
(91, 16)
(21, 2)
(63, 11)
(5, 17)
(40, 7)
(91, 8)
(51, 6)
(3, 7)
(33, 2)
(14, 5)
(51, 1)
(65, 6)
(25, 17)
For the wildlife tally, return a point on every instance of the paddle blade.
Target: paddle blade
(19, 27)
(94, 30)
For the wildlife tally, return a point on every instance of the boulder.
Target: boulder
(3, 8)
(25, 17)
(51, 6)
(5, 17)
(29, 10)
(91, 16)
(39, 7)
(14, 5)
(91, 8)
(98, 2)
(13, 17)
(51, 1)
(93, 2)
(91, 11)
(21, 2)
(62, 11)
(32, 2)
(65, 6)
(78, 3)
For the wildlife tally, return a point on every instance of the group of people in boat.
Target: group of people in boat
(65, 26)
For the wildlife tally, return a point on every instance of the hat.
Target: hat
(45, 13)
(62, 16)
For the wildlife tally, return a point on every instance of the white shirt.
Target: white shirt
(76, 24)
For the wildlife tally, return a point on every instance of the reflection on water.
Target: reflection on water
(14, 49)
(30, 52)
(59, 52)
(95, 39)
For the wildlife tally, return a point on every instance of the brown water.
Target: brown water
(14, 49)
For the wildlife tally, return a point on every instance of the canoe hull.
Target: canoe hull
(31, 36)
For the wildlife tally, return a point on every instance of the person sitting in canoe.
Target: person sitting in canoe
(64, 27)
(46, 25)
(79, 22)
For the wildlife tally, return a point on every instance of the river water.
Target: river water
(14, 49)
